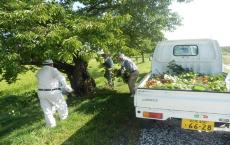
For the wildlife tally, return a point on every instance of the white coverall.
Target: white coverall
(50, 95)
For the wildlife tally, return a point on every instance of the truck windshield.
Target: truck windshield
(185, 50)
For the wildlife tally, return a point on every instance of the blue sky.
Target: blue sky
(203, 19)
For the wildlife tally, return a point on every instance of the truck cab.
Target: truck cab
(200, 55)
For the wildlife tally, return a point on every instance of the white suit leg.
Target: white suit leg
(48, 113)
(60, 104)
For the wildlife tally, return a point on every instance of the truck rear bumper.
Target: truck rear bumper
(164, 114)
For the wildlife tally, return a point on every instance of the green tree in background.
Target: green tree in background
(34, 30)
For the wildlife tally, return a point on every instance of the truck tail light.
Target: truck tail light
(153, 115)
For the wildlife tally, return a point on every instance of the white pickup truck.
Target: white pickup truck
(198, 110)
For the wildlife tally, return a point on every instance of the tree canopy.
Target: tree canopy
(34, 30)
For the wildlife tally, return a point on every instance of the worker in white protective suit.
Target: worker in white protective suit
(50, 94)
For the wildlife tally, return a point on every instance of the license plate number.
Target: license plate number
(197, 125)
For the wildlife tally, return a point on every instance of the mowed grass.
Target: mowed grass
(108, 118)
(226, 59)
(26, 82)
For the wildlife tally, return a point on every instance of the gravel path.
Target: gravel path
(170, 133)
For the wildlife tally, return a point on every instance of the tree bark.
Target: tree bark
(143, 57)
(82, 83)
(80, 79)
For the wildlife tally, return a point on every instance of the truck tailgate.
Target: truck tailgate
(209, 102)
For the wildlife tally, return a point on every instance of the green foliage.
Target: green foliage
(175, 69)
(184, 79)
(188, 81)
(125, 76)
(148, 20)
(31, 31)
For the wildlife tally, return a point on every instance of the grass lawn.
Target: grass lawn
(226, 59)
(108, 118)
(226, 56)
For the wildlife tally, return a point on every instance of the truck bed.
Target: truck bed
(182, 103)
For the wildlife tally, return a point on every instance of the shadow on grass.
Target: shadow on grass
(18, 111)
(115, 122)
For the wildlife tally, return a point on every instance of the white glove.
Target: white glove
(122, 71)
(68, 89)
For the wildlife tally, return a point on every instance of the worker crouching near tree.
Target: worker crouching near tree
(108, 64)
(50, 94)
(128, 65)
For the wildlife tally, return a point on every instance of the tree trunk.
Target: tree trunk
(143, 57)
(80, 79)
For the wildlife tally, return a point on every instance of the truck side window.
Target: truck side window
(185, 50)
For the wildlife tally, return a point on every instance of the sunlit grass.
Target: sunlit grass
(226, 56)
(108, 118)
(226, 60)
(25, 82)
(227, 70)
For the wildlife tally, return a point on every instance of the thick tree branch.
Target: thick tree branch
(64, 67)
(39, 64)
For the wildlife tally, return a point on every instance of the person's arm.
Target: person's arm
(122, 68)
(62, 81)
(111, 62)
(105, 63)
(37, 74)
